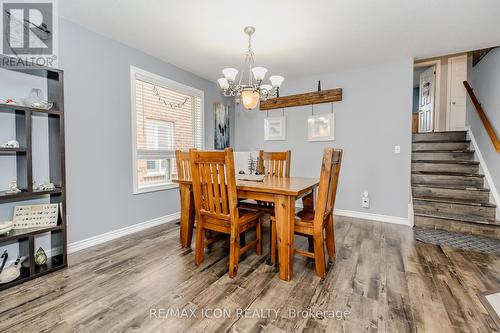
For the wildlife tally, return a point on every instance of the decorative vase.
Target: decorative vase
(37, 100)
(40, 257)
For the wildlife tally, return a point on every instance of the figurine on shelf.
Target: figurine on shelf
(6, 227)
(4, 258)
(45, 187)
(10, 101)
(12, 272)
(40, 257)
(11, 144)
(37, 100)
(13, 188)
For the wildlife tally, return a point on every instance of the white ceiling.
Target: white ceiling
(294, 37)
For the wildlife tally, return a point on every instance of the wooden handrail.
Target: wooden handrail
(487, 125)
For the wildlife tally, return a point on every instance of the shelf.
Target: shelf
(25, 119)
(12, 151)
(52, 264)
(13, 108)
(25, 276)
(4, 197)
(23, 233)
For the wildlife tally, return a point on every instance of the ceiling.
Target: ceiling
(294, 37)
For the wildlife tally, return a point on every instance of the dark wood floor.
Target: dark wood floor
(387, 281)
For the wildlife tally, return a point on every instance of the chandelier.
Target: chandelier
(253, 90)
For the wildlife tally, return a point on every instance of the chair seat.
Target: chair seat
(248, 215)
(306, 215)
(302, 217)
(303, 221)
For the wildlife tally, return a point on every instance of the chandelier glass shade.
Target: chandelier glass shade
(252, 91)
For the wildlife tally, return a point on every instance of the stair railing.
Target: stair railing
(487, 125)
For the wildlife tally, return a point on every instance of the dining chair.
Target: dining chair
(313, 223)
(275, 164)
(183, 164)
(214, 187)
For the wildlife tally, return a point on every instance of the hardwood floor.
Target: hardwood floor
(387, 281)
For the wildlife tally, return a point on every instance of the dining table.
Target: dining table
(282, 191)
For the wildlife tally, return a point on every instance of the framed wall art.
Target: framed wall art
(321, 127)
(221, 130)
(275, 128)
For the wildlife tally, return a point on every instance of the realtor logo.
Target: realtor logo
(29, 31)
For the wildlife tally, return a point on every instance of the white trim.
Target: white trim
(108, 236)
(164, 82)
(407, 221)
(484, 167)
(156, 188)
(375, 217)
(437, 90)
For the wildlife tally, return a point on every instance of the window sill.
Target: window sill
(155, 188)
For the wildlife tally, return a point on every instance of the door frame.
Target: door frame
(437, 88)
(448, 88)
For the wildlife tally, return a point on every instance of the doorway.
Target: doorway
(426, 84)
(456, 102)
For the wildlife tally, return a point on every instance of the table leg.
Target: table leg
(187, 215)
(284, 211)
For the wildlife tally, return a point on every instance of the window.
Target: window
(166, 116)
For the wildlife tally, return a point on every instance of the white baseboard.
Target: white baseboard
(375, 217)
(407, 221)
(484, 167)
(99, 239)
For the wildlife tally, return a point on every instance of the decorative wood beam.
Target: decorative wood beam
(317, 97)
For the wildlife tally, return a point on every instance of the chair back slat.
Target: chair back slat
(274, 163)
(214, 184)
(330, 170)
(182, 161)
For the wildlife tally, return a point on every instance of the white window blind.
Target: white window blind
(168, 116)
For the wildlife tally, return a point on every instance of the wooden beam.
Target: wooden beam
(318, 97)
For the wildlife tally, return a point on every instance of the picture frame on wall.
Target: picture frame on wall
(321, 127)
(221, 129)
(275, 128)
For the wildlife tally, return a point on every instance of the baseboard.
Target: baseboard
(487, 174)
(106, 237)
(375, 217)
(407, 221)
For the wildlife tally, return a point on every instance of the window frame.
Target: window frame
(135, 73)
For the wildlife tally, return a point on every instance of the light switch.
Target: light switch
(397, 149)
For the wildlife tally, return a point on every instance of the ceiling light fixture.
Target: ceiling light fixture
(253, 91)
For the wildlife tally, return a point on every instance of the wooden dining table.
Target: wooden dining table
(283, 192)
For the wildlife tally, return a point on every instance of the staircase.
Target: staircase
(448, 190)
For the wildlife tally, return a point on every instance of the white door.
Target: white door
(456, 108)
(426, 100)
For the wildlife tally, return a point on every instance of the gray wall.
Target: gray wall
(374, 116)
(485, 79)
(98, 132)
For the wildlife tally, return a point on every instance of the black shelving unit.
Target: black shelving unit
(25, 238)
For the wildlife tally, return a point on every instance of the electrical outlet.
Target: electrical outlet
(397, 149)
(365, 201)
